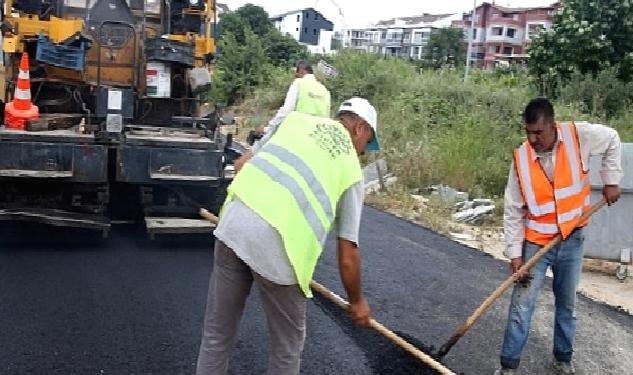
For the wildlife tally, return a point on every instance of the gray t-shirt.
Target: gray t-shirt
(260, 246)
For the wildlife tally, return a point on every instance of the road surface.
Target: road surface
(74, 304)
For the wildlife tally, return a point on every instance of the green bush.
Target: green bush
(436, 129)
(603, 96)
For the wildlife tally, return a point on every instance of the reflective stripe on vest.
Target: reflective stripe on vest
(293, 187)
(294, 183)
(313, 98)
(306, 173)
(554, 206)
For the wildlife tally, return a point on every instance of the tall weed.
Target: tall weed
(434, 128)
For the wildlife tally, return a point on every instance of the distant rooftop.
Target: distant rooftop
(413, 20)
(280, 16)
(521, 9)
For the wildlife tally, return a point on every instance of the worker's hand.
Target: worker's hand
(260, 130)
(359, 312)
(611, 193)
(239, 163)
(515, 265)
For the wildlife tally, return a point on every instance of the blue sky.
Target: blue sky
(358, 13)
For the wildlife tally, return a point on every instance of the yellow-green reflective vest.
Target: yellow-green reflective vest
(295, 182)
(313, 98)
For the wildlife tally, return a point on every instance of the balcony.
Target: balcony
(393, 41)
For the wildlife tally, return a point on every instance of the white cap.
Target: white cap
(367, 112)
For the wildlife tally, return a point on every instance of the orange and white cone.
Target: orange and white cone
(21, 109)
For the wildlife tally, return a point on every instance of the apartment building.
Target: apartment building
(307, 26)
(404, 37)
(502, 35)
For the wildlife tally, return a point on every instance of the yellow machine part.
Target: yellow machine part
(10, 44)
(57, 29)
(202, 46)
(62, 29)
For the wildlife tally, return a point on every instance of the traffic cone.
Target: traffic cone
(20, 109)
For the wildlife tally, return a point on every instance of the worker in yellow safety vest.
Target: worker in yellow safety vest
(547, 192)
(305, 95)
(303, 181)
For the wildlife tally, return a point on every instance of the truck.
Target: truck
(126, 132)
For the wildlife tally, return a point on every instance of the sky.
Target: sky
(360, 13)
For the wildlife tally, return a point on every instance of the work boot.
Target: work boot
(505, 371)
(564, 368)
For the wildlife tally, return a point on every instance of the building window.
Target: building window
(507, 50)
(297, 29)
(314, 32)
(298, 17)
(497, 31)
(316, 16)
(511, 33)
(474, 34)
(305, 30)
(534, 29)
(495, 49)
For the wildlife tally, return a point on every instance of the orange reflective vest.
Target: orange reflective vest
(553, 206)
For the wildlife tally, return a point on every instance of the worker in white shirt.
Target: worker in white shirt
(305, 95)
(548, 190)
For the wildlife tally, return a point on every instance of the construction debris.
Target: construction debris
(376, 176)
(473, 214)
(448, 193)
(462, 237)
(374, 186)
(422, 201)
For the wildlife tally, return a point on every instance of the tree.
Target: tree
(249, 15)
(588, 36)
(283, 49)
(257, 18)
(233, 24)
(446, 48)
(241, 67)
(251, 46)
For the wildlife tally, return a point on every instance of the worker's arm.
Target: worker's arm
(514, 220)
(600, 140)
(239, 162)
(349, 268)
(289, 105)
(349, 211)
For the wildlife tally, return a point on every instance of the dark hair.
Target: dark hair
(537, 109)
(305, 66)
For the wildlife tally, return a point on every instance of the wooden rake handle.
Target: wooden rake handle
(461, 331)
(334, 298)
(417, 353)
(205, 214)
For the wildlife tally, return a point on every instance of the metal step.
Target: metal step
(57, 218)
(176, 225)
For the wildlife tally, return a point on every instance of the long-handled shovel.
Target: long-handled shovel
(392, 336)
(461, 331)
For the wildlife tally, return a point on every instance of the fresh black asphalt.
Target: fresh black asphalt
(71, 303)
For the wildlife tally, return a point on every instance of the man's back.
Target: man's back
(313, 98)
